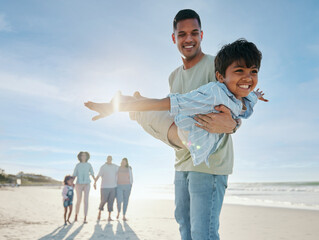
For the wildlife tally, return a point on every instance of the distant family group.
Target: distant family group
(116, 184)
(208, 98)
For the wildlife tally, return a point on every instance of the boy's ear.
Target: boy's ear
(201, 35)
(219, 77)
(173, 38)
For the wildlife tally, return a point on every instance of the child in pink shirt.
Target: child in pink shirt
(67, 194)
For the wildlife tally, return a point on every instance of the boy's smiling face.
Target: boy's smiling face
(239, 79)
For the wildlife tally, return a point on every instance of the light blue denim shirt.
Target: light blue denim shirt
(82, 172)
(202, 101)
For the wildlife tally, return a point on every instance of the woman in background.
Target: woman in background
(82, 172)
(124, 186)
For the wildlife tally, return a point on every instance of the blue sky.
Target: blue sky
(54, 55)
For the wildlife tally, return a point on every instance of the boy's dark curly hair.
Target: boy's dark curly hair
(237, 51)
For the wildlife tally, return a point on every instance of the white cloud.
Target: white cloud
(4, 25)
(30, 86)
(52, 150)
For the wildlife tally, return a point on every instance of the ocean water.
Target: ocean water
(301, 195)
(298, 195)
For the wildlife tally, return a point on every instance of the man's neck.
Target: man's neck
(189, 63)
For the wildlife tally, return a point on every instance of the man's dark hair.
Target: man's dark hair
(185, 14)
(237, 51)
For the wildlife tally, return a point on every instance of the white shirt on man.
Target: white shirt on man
(108, 173)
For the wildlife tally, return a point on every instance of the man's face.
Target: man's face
(239, 79)
(188, 37)
(109, 160)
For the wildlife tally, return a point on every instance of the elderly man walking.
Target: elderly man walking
(108, 173)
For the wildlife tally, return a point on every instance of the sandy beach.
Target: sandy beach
(37, 213)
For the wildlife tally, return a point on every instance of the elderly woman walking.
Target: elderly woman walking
(82, 173)
(124, 186)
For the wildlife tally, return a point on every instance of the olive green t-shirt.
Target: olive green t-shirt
(183, 81)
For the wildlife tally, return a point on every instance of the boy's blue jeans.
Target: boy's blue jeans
(198, 200)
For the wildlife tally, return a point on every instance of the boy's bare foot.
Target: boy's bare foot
(85, 220)
(76, 218)
(110, 219)
(124, 218)
(99, 216)
(69, 221)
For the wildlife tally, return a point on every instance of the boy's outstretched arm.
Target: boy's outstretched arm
(140, 105)
(145, 104)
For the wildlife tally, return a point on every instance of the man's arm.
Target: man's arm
(221, 122)
(92, 173)
(95, 180)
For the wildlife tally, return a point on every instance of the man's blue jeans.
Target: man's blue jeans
(198, 200)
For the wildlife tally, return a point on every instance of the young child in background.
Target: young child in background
(236, 71)
(67, 194)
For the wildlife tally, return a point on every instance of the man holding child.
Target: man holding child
(199, 186)
(199, 190)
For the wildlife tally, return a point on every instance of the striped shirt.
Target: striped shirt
(203, 100)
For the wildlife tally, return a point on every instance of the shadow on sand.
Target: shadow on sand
(101, 231)
(123, 231)
(61, 232)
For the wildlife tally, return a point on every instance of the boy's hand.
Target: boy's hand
(104, 109)
(260, 95)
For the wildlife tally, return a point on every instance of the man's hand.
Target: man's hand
(104, 109)
(221, 122)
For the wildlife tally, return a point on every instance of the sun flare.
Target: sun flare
(116, 102)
